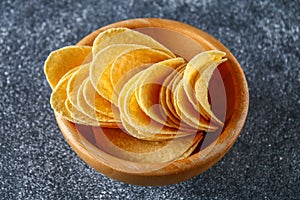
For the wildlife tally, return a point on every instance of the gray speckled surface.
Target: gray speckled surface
(36, 162)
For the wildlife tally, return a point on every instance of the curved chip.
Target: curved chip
(165, 96)
(70, 109)
(89, 111)
(195, 67)
(170, 99)
(188, 112)
(126, 147)
(130, 81)
(132, 114)
(100, 68)
(145, 135)
(126, 36)
(59, 99)
(75, 82)
(173, 98)
(148, 88)
(201, 89)
(98, 103)
(59, 62)
(130, 61)
(80, 117)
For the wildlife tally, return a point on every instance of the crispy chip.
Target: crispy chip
(201, 89)
(126, 147)
(132, 114)
(188, 112)
(133, 60)
(59, 99)
(59, 62)
(75, 82)
(174, 100)
(148, 87)
(98, 103)
(165, 98)
(77, 100)
(195, 67)
(145, 135)
(126, 36)
(101, 65)
(78, 116)
(89, 111)
(170, 100)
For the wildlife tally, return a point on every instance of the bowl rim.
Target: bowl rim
(232, 132)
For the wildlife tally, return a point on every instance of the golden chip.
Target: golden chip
(152, 136)
(148, 87)
(101, 65)
(165, 98)
(98, 103)
(126, 147)
(78, 116)
(126, 36)
(59, 99)
(132, 114)
(133, 61)
(188, 112)
(201, 89)
(195, 67)
(88, 110)
(59, 62)
(75, 82)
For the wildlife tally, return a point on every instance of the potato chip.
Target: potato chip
(98, 103)
(165, 96)
(133, 60)
(126, 36)
(78, 116)
(148, 87)
(201, 89)
(130, 83)
(69, 108)
(101, 65)
(132, 114)
(88, 110)
(79, 106)
(175, 101)
(152, 136)
(170, 100)
(59, 62)
(194, 67)
(187, 111)
(58, 102)
(132, 149)
(75, 82)
(173, 98)
(167, 99)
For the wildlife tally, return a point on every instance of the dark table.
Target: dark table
(36, 162)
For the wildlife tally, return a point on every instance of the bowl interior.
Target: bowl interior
(228, 96)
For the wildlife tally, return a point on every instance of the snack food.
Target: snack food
(148, 87)
(196, 77)
(132, 82)
(126, 36)
(125, 146)
(59, 62)
(97, 102)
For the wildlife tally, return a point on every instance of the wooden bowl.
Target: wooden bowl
(186, 41)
